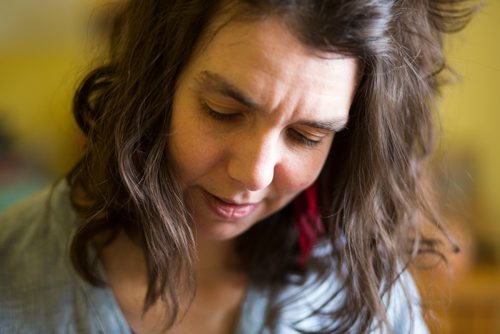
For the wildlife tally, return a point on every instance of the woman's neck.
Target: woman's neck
(214, 258)
(221, 286)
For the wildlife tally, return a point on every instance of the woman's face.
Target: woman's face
(254, 116)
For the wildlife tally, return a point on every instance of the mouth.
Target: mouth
(227, 209)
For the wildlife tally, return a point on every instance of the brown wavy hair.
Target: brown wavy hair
(371, 193)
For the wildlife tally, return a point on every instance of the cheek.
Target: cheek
(187, 158)
(299, 172)
(183, 146)
(194, 152)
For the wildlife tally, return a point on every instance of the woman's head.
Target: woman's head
(152, 49)
(153, 118)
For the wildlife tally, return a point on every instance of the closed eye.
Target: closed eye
(303, 139)
(220, 116)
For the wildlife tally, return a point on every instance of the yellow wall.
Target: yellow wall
(471, 113)
(35, 103)
(45, 47)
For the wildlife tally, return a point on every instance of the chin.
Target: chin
(221, 231)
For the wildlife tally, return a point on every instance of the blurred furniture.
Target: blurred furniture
(467, 304)
(475, 303)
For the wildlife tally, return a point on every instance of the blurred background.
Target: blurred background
(46, 47)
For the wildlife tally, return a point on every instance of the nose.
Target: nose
(253, 162)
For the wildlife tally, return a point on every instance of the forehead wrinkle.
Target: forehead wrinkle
(264, 60)
(213, 81)
(322, 114)
(296, 90)
(217, 83)
(272, 86)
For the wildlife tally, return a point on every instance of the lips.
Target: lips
(227, 210)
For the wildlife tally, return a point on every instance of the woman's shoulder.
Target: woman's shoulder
(38, 225)
(302, 301)
(39, 290)
(404, 309)
(32, 255)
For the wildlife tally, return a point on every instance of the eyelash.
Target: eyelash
(295, 135)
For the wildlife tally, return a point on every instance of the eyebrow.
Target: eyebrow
(330, 126)
(214, 82)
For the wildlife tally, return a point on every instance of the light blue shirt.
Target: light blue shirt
(41, 293)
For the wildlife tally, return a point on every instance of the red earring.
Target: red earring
(307, 221)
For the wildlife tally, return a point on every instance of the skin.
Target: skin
(254, 116)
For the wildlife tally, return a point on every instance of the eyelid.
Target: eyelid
(222, 116)
(314, 132)
(303, 139)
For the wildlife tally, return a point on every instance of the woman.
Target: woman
(252, 167)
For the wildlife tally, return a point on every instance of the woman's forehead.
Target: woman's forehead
(271, 68)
